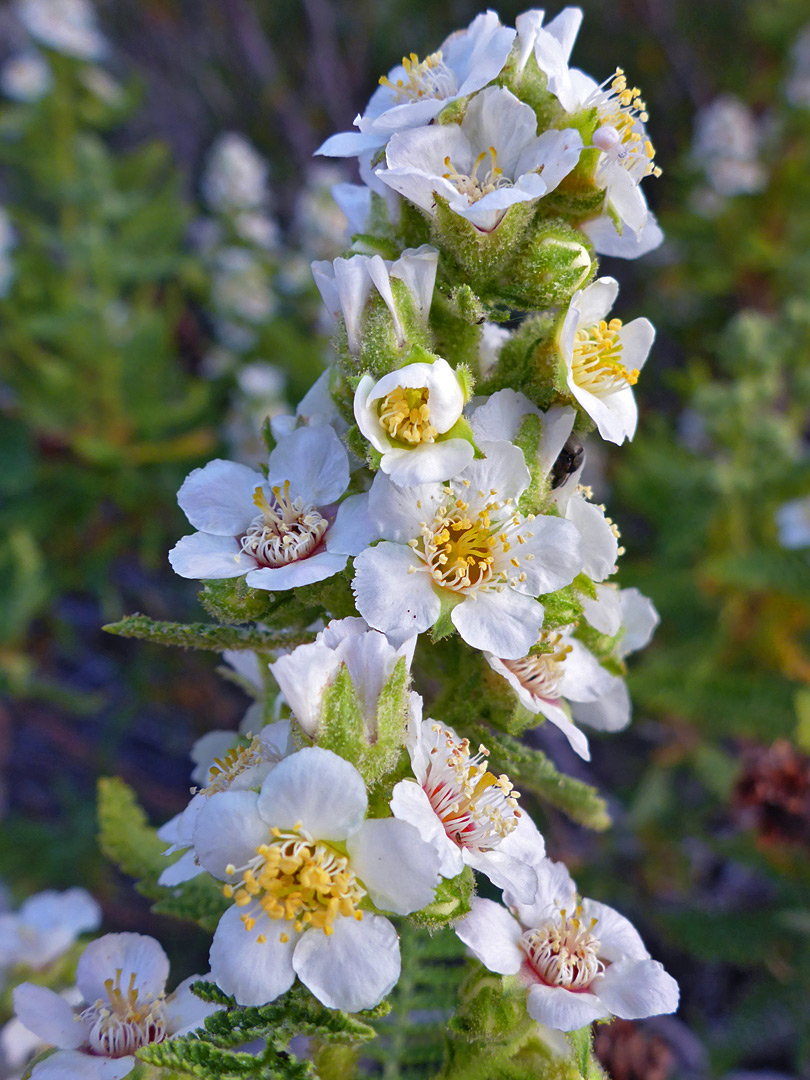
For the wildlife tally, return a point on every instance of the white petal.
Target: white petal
(600, 548)
(254, 972)
(370, 658)
(632, 989)
(636, 338)
(428, 462)
(354, 967)
(503, 468)
(354, 286)
(506, 623)
(493, 936)
(594, 302)
(605, 612)
(317, 567)
(583, 677)
(558, 423)
(555, 890)
(398, 512)
(303, 675)
(129, 954)
(410, 803)
(184, 869)
(315, 462)
(317, 788)
(417, 268)
(202, 555)
(504, 871)
(355, 202)
(74, 1065)
(353, 529)
(228, 829)
(611, 712)
(563, 1009)
(399, 869)
(184, 1011)
(557, 548)
(204, 752)
(601, 231)
(218, 498)
(391, 598)
(349, 144)
(501, 415)
(495, 117)
(618, 938)
(48, 1016)
(639, 619)
(74, 910)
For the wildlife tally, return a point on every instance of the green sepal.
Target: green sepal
(342, 726)
(452, 902)
(552, 264)
(453, 113)
(444, 626)
(373, 746)
(527, 362)
(461, 430)
(479, 256)
(382, 349)
(268, 438)
(231, 601)
(562, 608)
(528, 439)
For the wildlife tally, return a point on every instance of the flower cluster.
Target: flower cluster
(422, 526)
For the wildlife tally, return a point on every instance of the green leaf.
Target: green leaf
(203, 635)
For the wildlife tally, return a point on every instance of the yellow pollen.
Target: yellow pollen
(541, 671)
(405, 415)
(300, 880)
(425, 79)
(597, 366)
(622, 109)
(476, 184)
(564, 952)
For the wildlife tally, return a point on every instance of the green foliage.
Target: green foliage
(202, 635)
(128, 841)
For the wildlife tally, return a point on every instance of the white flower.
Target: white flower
(122, 980)
(241, 287)
(68, 26)
(467, 813)
(346, 284)
(465, 543)
(499, 418)
(579, 961)
(305, 673)
(46, 926)
(793, 522)
(223, 762)
(408, 416)
(415, 92)
(235, 176)
(26, 77)
(300, 859)
(603, 359)
(315, 409)
(483, 166)
(281, 531)
(726, 145)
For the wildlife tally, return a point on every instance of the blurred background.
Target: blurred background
(160, 208)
